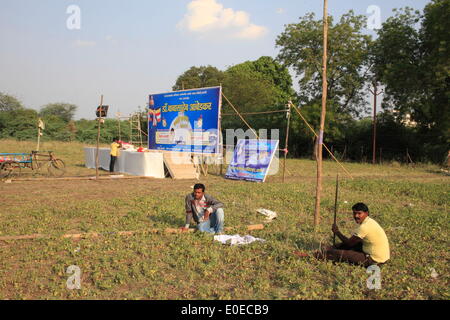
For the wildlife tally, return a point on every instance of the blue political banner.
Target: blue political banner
(252, 159)
(185, 121)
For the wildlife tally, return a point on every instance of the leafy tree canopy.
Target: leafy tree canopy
(9, 103)
(65, 111)
(411, 58)
(199, 77)
(301, 48)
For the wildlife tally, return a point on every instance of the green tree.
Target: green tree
(268, 69)
(86, 130)
(348, 72)
(15, 120)
(301, 47)
(199, 77)
(262, 85)
(411, 58)
(65, 111)
(397, 60)
(9, 103)
(20, 124)
(248, 92)
(435, 35)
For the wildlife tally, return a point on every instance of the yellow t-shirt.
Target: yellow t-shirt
(115, 149)
(375, 241)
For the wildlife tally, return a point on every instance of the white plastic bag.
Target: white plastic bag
(270, 215)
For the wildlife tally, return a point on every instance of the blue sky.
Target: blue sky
(126, 50)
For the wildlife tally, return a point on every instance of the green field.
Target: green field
(410, 203)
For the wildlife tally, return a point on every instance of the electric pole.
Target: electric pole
(375, 93)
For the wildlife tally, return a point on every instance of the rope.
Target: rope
(256, 135)
(231, 145)
(331, 154)
(261, 112)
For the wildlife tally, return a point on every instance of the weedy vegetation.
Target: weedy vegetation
(410, 203)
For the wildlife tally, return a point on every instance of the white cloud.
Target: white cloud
(80, 43)
(208, 17)
(280, 10)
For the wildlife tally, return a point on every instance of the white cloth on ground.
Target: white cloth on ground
(236, 239)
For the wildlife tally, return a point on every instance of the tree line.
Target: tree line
(20, 123)
(409, 59)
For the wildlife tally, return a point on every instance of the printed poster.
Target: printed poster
(251, 159)
(185, 121)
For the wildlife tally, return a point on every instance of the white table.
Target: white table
(147, 164)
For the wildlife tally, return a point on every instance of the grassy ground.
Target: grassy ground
(410, 203)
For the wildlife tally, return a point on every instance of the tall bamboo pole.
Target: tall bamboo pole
(322, 116)
(98, 137)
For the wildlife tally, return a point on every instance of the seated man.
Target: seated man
(206, 211)
(367, 246)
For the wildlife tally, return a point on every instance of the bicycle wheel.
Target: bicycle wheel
(5, 170)
(56, 168)
(10, 170)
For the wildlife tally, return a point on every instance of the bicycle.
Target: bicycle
(12, 163)
(55, 166)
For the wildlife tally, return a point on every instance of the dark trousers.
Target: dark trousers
(352, 255)
(111, 163)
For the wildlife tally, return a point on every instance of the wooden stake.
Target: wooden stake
(98, 137)
(322, 116)
(120, 233)
(336, 206)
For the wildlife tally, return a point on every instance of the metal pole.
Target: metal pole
(287, 139)
(98, 137)
(374, 125)
(322, 116)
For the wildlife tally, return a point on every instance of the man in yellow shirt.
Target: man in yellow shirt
(367, 246)
(115, 146)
